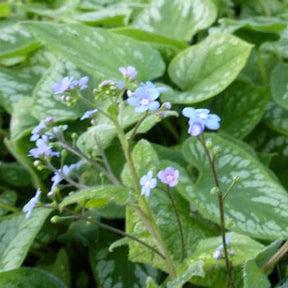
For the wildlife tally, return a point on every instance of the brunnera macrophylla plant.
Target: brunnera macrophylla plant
(53, 151)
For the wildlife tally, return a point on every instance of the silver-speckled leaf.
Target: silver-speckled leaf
(204, 70)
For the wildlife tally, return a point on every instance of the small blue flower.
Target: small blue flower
(58, 176)
(42, 149)
(144, 97)
(217, 251)
(39, 130)
(169, 176)
(199, 119)
(65, 84)
(82, 83)
(88, 114)
(147, 183)
(28, 208)
(130, 72)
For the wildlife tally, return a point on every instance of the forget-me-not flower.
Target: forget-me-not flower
(217, 253)
(65, 84)
(147, 183)
(39, 130)
(88, 114)
(199, 119)
(169, 176)
(43, 149)
(144, 97)
(129, 72)
(58, 176)
(28, 208)
(82, 83)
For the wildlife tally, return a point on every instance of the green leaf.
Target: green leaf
(22, 119)
(104, 193)
(17, 234)
(151, 284)
(166, 46)
(144, 158)
(279, 85)
(254, 277)
(276, 117)
(112, 16)
(257, 203)
(113, 269)
(180, 20)
(196, 269)
(7, 197)
(241, 106)
(15, 40)
(13, 174)
(99, 48)
(29, 277)
(20, 82)
(206, 69)
(215, 269)
(5, 10)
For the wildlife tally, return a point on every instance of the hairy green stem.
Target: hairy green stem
(145, 215)
(94, 164)
(221, 210)
(116, 230)
(276, 257)
(178, 222)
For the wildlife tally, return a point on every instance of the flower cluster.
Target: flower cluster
(67, 83)
(167, 176)
(42, 134)
(199, 119)
(217, 254)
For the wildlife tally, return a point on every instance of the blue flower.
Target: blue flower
(42, 149)
(144, 97)
(130, 72)
(147, 183)
(82, 83)
(65, 84)
(217, 253)
(28, 208)
(39, 130)
(58, 176)
(169, 176)
(199, 119)
(88, 114)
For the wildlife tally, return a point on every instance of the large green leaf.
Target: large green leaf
(17, 234)
(257, 203)
(177, 19)
(113, 269)
(7, 197)
(207, 68)
(94, 195)
(167, 47)
(254, 277)
(279, 85)
(29, 277)
(276, 117)
(99, 52)
(241, 106)
(215, 269)
(15, 40)
(20, 82)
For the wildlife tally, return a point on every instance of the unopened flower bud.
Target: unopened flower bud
(93, 122)
(209, 143)
(216, 150)
(161, 114)
(167, 105)
(55, 219)
(74, 136)
(217, 255)
(236, 179)
(49, 119)
(229, 223)
(64, 153)
(215, 191)
(232, 252)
